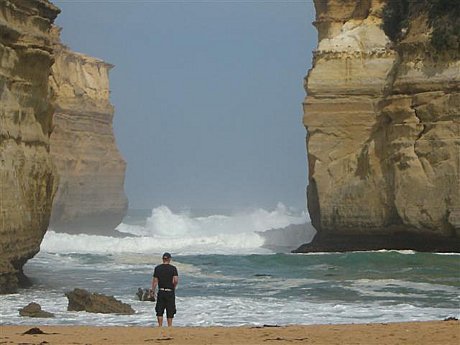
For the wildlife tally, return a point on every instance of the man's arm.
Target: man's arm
(154, 283)
(175, 281)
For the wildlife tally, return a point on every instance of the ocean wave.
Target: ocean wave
(181, 233)
(167, 224)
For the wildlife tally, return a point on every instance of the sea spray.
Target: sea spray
(182, 233)
(165, 223)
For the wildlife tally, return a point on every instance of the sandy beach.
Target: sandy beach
(417, 333)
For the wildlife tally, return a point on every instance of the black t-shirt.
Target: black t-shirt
(165, 274)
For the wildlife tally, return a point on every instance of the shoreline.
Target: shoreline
(399, 333)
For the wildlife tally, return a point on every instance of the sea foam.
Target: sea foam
(182, 233)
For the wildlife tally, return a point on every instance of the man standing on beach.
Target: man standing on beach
(166, 278)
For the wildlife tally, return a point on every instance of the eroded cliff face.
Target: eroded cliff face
(383, 140)
(27, 174)
(91, 195)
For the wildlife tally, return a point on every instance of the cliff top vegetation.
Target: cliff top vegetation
(443, 18)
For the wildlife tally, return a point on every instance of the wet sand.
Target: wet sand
(414, 333)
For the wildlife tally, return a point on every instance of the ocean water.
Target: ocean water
(227, 277)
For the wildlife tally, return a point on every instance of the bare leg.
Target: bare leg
(169, 322)
(160, 321)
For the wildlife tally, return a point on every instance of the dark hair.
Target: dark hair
(166, 256)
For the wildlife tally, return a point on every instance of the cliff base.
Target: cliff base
(395, 241)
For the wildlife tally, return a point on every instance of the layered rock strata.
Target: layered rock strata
(91, 195)
(27, 174)
(383, 140)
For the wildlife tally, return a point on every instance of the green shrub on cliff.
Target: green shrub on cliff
(395, 18)
(443, 18)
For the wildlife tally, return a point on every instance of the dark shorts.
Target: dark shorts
(166, 300)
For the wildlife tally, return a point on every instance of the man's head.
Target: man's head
(166, 257)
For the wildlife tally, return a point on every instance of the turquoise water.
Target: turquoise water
(234, 290)
(228, 278)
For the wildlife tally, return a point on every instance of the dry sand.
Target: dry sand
(414, 333)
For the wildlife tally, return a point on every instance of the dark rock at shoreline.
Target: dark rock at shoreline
(34, 310)
(34, 330)
(395, 241)
(82, 300)
(145, 295)
(451, 318)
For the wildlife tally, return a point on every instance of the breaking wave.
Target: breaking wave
(182, 233)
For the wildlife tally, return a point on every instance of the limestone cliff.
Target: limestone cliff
(90, 197)
(27, 174)
(383, 121)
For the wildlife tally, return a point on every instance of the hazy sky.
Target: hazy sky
(207, 96)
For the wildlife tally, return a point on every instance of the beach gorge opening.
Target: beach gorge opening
(205, 104)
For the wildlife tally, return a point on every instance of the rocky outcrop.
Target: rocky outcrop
(34, 310)
(284, 240)
(383, 121)
(91, 195)
(145, 295)
(27, 174)
(82, 300)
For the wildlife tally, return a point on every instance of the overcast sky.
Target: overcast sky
(207, 96)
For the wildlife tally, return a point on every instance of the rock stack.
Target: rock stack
(90, 197)
(383, 121)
